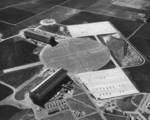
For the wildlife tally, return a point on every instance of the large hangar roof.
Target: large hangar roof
(108, 83)
(90, 29)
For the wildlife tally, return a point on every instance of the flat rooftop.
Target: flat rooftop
(107, 83)
(90, 29)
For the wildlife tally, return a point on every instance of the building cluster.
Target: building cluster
(78, 113)
(56, 106)
(103, 84)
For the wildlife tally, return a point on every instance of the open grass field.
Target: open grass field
(77, 91)
(78, 106)
(85, 99)
(24, 114)
(125, 104)
(137, 99)
(21, 94)
(114, 117)
(7, 111)
(95, 116)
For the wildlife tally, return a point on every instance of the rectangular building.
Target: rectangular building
(107, 83)
(39, 35)
(90, 29)
(49, 84)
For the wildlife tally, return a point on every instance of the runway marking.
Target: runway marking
(78, 52)
(67, 57)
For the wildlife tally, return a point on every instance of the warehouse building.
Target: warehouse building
(41, 36)
(49, 85)
(107, 83)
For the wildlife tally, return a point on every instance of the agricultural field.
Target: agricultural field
(8, 91)
(94, 116)
(125, 104)
(66, 115)
(77, 91)
(137, 99)
(80, 107)
(7, 111)
(17, 78)
(114, 117)
(85, 99)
